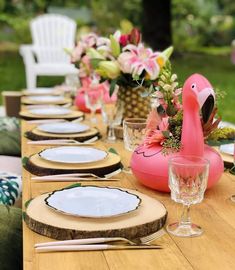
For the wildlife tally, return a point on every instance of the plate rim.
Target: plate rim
(32, 98)
(61, 162)
(92, 217)
(64, 132)
(224, 152)
(68, 112)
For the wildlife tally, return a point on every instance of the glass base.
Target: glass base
(233, 198)
(181, 230)
(110, 140)
(127, 170)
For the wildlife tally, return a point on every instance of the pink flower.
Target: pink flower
(77, 52)
(163, 126)
(136, 59)
(89, 40)
(124, 40)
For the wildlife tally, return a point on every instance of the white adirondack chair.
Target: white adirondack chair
(51, 33)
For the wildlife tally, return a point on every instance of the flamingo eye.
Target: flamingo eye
(193, 86)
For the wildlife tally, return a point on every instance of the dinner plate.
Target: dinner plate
(63, 128)
(73, 154)
(46, 98)
(227, 148)
(50, 111)
(39, 91)
(93, 201)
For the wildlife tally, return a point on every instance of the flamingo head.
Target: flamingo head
(198, 91)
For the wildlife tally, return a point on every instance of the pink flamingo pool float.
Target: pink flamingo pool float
(148, 163)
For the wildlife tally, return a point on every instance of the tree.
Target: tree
(156, 21)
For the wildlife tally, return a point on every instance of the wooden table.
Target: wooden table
(215, 249)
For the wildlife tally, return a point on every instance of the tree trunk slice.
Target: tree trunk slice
(72, 116)
(38, 166)
(27, 101)
(148, 218)
(37, 134)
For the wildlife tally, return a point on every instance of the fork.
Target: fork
(73, 177)
(139, 241)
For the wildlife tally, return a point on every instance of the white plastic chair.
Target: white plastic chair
(51, 33)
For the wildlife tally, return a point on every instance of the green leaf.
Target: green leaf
(115, 46)
(95, 62)
(23, 215)
(112, 87)
(112, 150)
(24, 161)
(73, 185)
(166, 134)
(26, 204)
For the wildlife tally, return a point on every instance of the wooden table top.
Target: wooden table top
(215, 249)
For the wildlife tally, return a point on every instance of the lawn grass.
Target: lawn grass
(217, 68)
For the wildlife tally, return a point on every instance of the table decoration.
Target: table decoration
(37, 166)
(188, 177)
(38, 100)
(36, 134)
(73, 154)
(71, 114)
(122, 60)
(178, 130)
(149, 218)
(93, 201)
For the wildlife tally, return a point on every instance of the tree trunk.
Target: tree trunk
(156, 23)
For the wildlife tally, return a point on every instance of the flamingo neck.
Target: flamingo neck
(192, 136)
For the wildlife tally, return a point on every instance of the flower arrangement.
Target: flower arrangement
(125, 61)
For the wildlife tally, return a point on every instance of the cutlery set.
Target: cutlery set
(101, 244)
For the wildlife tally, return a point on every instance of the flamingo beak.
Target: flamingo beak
(206, 100)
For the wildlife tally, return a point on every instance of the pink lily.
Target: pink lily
(136, 59)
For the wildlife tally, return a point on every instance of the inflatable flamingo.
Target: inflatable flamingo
(148, 163)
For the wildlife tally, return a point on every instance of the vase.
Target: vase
(134, 105)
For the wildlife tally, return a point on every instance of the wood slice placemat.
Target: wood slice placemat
(147, 219)
(28, 101)
(38, 166)
(37, 134)
(71, 116)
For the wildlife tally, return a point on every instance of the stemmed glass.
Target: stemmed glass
(93, 100)
(133, 134)
(72, 81)
(188, 177)
(112, 116)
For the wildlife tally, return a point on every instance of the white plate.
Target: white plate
(50, 111)
(73, 154)
(39, 91)
(46, 98)
(63, 128)
(227, 148)
(93, 202)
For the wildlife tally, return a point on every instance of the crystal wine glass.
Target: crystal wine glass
(112, 116)
(133, 134)
(188, 177)
(93, 100)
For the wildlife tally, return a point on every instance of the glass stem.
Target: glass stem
(111, 134)
(185, 218)
(93, 118)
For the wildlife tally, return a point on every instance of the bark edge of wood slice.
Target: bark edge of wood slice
(149, 218)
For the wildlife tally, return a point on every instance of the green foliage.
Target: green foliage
(222, 134)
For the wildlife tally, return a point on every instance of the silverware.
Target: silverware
(45, 121)
(139, 241)
(59, 142)
(93, 247)
(73, 177)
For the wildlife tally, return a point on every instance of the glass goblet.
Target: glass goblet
(112, 116)
(93, 100)
(188, 177)
(133, 134)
